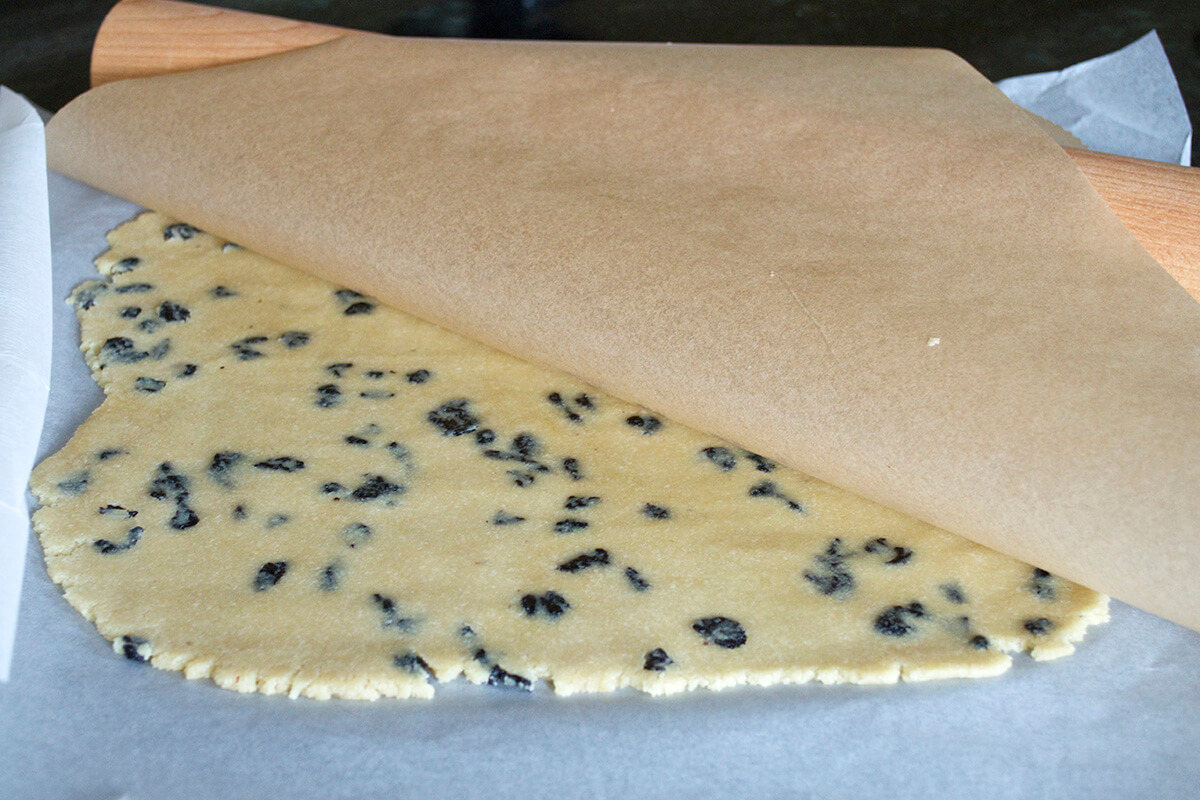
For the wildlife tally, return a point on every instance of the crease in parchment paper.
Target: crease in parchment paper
(833, 356)
(608, 210)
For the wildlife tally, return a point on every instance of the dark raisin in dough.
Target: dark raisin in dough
(121, 350)
(134, 288)
(833, 578)
(149, 385)
(979, 642)
(521, 477)
(419, 376)
(244, 349)
(770, 489)
(132, 537)
(581, 401)
(529, 604)
(119, 511)
(503, 518)
(657, 660)
(85, 297)
(180, 230)
(340, 369)
(1039, 626)
(222, 291)
(507, 680)
(105, 455)
(375, 487)
(131, 648)
(761, 463)
(281, 464)
(359, 308)
(413, 664)
(150, 325)
(126, 265)
(572, 468)
(275, 520)
(721, 631)
(131, 312)
(391, 616)
(575, 502)
(722, 457)
(219, 471)
(656, 512)
(552, 604)
(648, 425)
(328, 396)
(453, 418)
(525, 477)
(596, 558)
(170, 485)
(294, 339)
(347, 295)
(636, 580)
(894, 621)
(269, 574)
(895, 554)
(187, 371)
(170, 311)
(1041, 584)
(523, 449)
(183, 518)
(358, 441)
(569, 525)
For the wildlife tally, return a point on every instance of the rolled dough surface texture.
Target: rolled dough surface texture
(291, 488)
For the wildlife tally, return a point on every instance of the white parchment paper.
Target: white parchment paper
(24, 337)
(1119, 719)
(1127, 102)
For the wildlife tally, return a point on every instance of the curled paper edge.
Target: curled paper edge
(1058, 427)
(1126, 102)
(25, 336)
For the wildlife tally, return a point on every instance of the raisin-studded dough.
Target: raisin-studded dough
(290, 488)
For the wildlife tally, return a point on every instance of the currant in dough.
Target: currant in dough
(291, 488)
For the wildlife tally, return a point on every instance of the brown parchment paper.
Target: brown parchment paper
(865, 263)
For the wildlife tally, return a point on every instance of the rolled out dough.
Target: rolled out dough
(291, 488)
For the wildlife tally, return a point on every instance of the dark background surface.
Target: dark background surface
(45, 46)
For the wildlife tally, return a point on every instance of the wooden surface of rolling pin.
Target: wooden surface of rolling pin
(1159, 203)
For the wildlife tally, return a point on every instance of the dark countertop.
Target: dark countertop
(45, 46)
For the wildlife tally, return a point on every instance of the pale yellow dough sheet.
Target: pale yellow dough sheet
(291, 488)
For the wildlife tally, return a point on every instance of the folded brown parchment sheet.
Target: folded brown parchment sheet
(865, 263)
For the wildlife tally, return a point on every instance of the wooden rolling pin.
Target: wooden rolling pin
(1159, 203)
